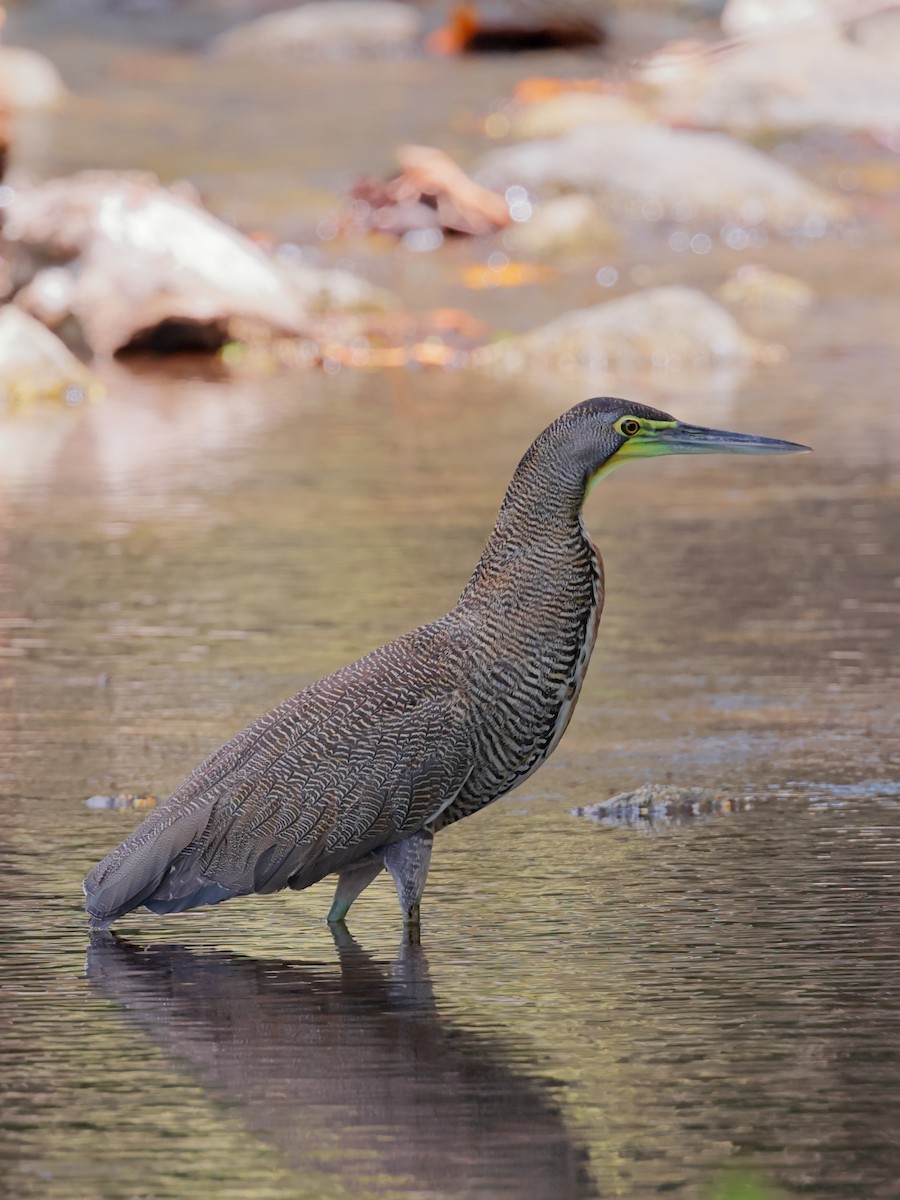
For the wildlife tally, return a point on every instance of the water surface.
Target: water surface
(596, 1010)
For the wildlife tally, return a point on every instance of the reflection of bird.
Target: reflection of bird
(358, 1060)
(356, 772)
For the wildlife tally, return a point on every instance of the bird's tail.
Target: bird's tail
(155, 866)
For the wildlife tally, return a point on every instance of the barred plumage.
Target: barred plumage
(356, 772)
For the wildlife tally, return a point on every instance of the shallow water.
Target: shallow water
(596, 1010)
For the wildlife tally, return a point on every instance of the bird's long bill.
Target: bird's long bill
(695, 439)
(665, 437)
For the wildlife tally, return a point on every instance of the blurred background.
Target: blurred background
(286, 294)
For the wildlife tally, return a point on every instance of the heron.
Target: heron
(356, 773)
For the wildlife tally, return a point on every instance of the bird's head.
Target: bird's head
(615, 431)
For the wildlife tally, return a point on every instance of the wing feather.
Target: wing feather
(363, 758)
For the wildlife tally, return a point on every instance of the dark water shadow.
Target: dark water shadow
(352, 1069)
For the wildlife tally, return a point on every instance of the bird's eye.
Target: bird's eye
(630, 426)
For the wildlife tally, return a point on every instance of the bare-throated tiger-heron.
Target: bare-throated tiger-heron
(357, 772)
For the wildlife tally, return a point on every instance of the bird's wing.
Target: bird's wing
(362, 758)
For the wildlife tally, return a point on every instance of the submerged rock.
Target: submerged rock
(35, 365)
(150, 269)
(667, 328)
(649, 172)
(335, 29)
(662, 804)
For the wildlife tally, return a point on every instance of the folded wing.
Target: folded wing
(354, 762)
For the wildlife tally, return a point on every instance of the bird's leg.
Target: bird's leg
(355, 879)
(408, 862)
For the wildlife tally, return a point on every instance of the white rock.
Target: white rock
(790, 82)
(743, 18)
(652, 172)
(29, 81)
(663, 329)
(34, 363)
(879, 34)
(148, 260)
(333, 29)
(329, 290)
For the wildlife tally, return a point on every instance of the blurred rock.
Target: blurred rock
(504, 26)
(662, 804)
(652, 173)
(28, 80)
(565, 225)
(879, 34)
(152, 271)
(439, 338)
(431, 193)
(748, 18)
(120, 800)
(764, 293)
(334, 29)
(35, 365)
(666, 329)
(570, 110)
(782, 83)
(327, 290)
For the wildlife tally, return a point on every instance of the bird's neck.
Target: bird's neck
(538, 528)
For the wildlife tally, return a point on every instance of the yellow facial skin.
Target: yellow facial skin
(642, 441)
(647, 438)
(641, 444)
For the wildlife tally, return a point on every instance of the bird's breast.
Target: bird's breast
(525, 685)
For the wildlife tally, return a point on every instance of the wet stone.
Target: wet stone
(650, 173)
(666, 328)
(336, 30)
(661, 803)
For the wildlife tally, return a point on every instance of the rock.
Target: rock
(667, 329)
(122, 800)
(432, 193)
(647, 171)
(153, 270)
(327, 290)
(336, 29)
(28, 80)
(749, 18)
(35, 365)
(765, 293)
(663, 804)
(49, 296)
(570, 110)
(506, 26)
(562, 226)
(785, 83)
(879, 34)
